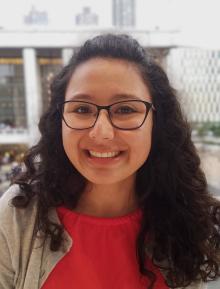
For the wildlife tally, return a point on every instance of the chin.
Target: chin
(107, 178)
(102, 181)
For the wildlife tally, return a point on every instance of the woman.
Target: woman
(113, 195)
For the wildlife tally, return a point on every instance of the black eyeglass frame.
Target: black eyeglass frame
(148, 105)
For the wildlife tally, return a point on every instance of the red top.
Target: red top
(103, 255)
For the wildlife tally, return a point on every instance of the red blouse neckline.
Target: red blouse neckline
(64, 212)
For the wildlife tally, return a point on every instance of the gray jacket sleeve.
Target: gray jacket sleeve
(25, 257)
(7, 272)
(16, 240)
(6, 269)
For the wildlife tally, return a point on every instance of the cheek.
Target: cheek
(139, 144)
(143, 146)
(68, 141)
(142, 143)
(65, 136)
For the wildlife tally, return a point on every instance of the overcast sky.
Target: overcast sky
(198, 20)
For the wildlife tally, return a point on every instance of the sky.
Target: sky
(198, 20)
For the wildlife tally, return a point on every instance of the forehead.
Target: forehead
(103, 78)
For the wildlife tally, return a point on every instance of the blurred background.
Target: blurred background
(37, 37)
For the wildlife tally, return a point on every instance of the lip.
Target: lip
(96, 161)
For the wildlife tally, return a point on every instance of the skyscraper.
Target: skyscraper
(123, 13)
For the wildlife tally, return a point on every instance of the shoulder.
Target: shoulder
(10, 216)
(9, 194)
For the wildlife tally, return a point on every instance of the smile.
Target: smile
(104, 155)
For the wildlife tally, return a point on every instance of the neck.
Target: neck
(110, 200)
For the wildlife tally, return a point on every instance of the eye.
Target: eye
(124, 109)
(82, 109)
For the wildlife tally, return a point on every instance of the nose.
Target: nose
(103, 129)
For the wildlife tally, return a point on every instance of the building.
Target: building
(24, 83)
(195, 72)
(123, 13)
(86, 17)
(36, 17)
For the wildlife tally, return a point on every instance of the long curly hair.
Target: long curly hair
(180, 222)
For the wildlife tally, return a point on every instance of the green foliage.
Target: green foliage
(207, 128)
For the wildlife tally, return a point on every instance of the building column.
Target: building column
(66, 55)
(32, 94)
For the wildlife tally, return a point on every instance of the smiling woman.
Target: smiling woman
(121, 132)
(112, 195)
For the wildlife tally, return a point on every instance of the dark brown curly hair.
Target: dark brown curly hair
(180, 225)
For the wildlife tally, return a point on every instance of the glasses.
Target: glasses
(124, 115)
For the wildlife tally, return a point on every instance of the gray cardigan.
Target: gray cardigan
(25, 261)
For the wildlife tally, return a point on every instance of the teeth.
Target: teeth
(104, 155)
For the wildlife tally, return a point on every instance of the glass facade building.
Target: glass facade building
(12, 95)
(196, 75)
(123, 13)
(49, 63)
(25, 77)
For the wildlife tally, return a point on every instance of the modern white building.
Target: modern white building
(195, 72)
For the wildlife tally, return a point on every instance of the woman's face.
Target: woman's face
(103, 82)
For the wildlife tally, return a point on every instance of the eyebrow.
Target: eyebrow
(116, 97)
